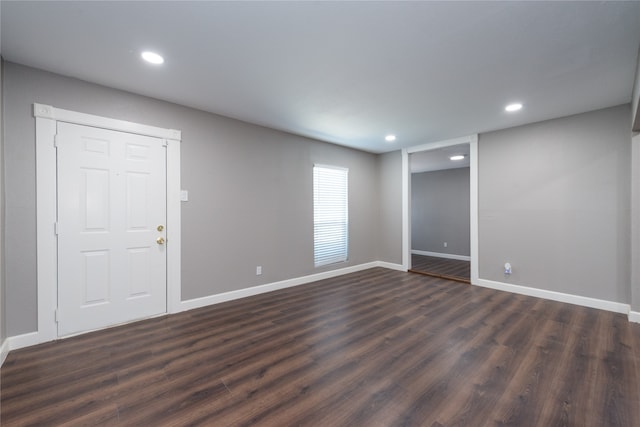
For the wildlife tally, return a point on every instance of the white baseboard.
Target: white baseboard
(441, 255)
(256, 290)
(25, 340)
(19, 341)
(616, 307)
(4, 351)
(33, 338)
(391, 266)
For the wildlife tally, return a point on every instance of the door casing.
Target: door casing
(47, 118)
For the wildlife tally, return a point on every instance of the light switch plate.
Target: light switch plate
(184, 196)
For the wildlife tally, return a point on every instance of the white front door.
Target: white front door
(111, 227)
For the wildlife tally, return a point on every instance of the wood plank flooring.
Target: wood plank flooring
(373, 348)
(444, 268)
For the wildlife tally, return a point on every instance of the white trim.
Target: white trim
(339, 168)
(472, 140)
(33, 338)
(635, 224)
(391, 266)
(174, 240)
(440, 144)
(46, 247)
(60, 115)
(473, 209)
(616, 307)
(20, 341)
(441, 255)
(24, 340)
(256, 290)
(406, 211)
(4, 351)
(46, 189)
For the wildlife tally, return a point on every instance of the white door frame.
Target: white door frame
(472, 140)
(46, 207)
(634, 314)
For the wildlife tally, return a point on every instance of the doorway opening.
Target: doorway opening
(440, 220)
(445, 240)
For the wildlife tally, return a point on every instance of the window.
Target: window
(330, 215)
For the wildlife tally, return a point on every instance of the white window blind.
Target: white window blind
(330, 215)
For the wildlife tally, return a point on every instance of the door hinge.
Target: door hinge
(165, 143)
(56, 140)
(57, 316)
(55, 228)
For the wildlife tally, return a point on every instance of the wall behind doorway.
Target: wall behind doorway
(440, 211)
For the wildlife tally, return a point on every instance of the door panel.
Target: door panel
(111, 199)
(95, 277)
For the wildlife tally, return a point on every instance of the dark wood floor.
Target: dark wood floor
(445, 268)
(374, 348)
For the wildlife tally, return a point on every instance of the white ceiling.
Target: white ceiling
(344, 72)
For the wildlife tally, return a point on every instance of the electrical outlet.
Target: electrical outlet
(507, 269)
(258, 270)
(445, 244)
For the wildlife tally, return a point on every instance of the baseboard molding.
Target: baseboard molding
(25, 340)
(390, 266)
(33, 338)
(441, 255)
(19, 341)
(616, 307)
(256, 290)
(4, 351)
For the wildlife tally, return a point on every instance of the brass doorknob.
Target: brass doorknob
(160, 240)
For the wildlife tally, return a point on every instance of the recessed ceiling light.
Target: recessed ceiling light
(513, 107)
(459, 157)
(390, 138)
(152, 57)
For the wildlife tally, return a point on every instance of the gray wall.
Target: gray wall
(250, 191)
(440, 211)
(554, 200)
(554, 197)
(390, 193)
